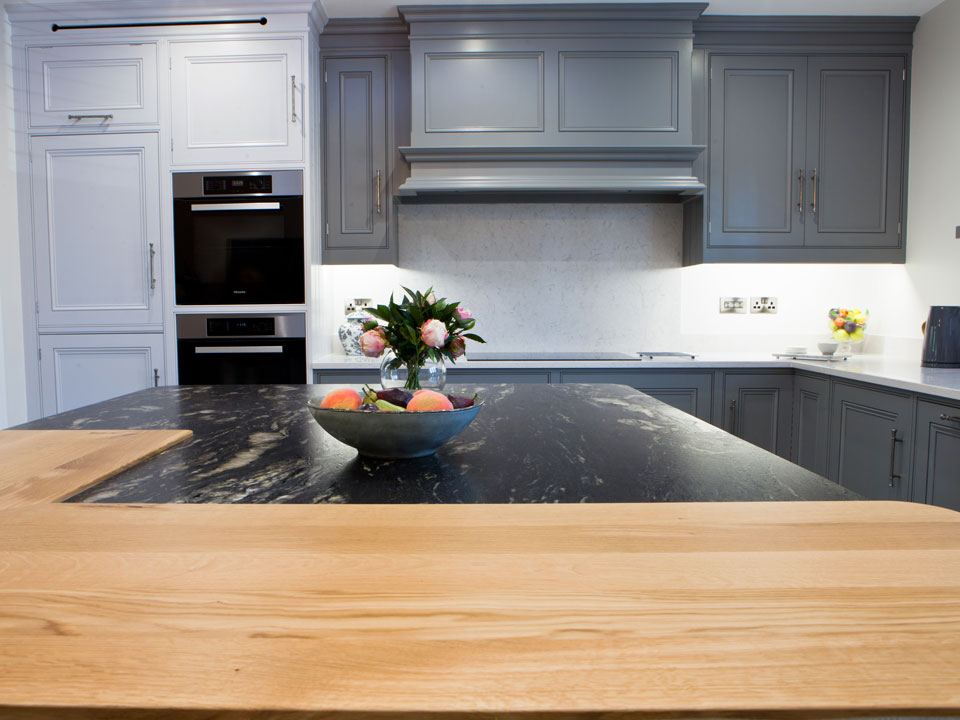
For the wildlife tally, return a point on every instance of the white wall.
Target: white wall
(13, 399)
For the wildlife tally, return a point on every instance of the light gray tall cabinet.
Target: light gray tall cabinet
(366, 111)
(807, 126)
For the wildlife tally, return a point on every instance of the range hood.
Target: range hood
(570, 98)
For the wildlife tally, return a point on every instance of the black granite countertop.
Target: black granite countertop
(529, 444)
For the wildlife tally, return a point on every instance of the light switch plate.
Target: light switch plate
(736, 305)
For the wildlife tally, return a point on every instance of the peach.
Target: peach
(342, 399)
(429, 400)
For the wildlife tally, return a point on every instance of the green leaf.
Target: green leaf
(475, 338)
(370, 325)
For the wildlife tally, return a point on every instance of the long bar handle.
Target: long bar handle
(217, 207)
(800, 182)
(379, 208)
(156, 377)
(733, 417)
(950, 418)
(893, 455)
(90, 117)
(813, 205)
(293, 98)
(239, 350)
(153, 276)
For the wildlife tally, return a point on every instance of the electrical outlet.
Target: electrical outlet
(764, 304)
(352, 304)
(736, 305)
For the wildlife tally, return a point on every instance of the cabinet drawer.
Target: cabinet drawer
(105, 85)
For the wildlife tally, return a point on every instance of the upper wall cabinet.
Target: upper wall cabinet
(806, 159)
(92, 86)
(238, 101)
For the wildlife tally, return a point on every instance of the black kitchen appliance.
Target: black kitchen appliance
(941, 337)
(238, 238)
(242, 349)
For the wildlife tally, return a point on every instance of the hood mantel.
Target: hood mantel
(572, 97)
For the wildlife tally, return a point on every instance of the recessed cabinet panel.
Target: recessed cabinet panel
(483, 92)
(630, 91)
(79, 370)
(937, 472)
(810, 422)
(857, 154)
(760, 410)
(756, 141)
(237, 101)
(96, 230)
(355, 164)
(92, 85)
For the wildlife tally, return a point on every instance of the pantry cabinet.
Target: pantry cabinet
(936, 478)
(99, 86)
(96, 232)
(871, 441)
(78, 370)
(238, 101)
(759, 408)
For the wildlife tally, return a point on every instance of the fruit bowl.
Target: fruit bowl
(393, 434)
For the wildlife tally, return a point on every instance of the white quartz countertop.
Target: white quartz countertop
(896, 373)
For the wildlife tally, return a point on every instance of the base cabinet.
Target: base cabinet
(871, 441)
(78, 370)
(811, 419)
(690, 392)
(759, 409)
(936, 476)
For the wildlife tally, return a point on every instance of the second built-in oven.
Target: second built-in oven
(238, 238)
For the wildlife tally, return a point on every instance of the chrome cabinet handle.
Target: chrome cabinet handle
(153, 277)
(225, 207)
(90, 117)
(293, 98)
(813, 205)
(379, 209)
(156, 377)
(950, 418)
(800, 182)
(733, 417)
(893, 455)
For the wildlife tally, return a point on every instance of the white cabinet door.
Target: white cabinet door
(92, 85)
(96, 209)
(237, 101)
(78, 370)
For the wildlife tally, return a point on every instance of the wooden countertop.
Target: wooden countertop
(806, 609)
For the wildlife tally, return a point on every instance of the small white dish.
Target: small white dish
(796, 350)
(828, 348)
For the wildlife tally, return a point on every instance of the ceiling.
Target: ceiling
(386, 8)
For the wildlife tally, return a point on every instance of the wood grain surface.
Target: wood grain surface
(808, 609)
(40, 466)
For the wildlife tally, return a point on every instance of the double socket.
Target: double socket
(739, 305)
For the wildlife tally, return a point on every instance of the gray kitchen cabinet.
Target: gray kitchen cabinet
(811, 420)
(455, 376)
(871, 441)
(759, 408)
(936, 475)
(688, 391)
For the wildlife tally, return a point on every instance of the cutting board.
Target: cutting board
(40, 466)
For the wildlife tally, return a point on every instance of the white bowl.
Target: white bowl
(829, 347)
(796, 350)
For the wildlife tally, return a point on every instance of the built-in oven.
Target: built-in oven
(238, 238)
(242, 349)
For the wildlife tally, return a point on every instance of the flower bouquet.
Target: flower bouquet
(419, 330)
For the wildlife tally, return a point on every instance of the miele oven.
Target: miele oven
(247, 349)
(238, 238)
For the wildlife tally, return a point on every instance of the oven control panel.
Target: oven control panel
(237, 184)
(239, 327)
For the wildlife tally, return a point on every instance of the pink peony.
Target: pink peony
(433, 333)
(464, 314)
(373, 342)
(458, 346)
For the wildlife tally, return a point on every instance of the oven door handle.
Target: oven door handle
(208, 207)
(238, 349)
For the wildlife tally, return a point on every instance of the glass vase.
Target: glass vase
(430, 375)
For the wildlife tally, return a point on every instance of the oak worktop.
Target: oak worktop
(356, 612)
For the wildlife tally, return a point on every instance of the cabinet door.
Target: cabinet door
(871, 441)
(237, 101)
(96, 205)
(855, 117)
(936, 478)
(92, 85)
(811, 417)
(355, 159)
(760, 410)
(78, 370)
(690, 392)
(756, 151)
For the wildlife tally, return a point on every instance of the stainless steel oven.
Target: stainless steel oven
(238, 238)
(242, 349)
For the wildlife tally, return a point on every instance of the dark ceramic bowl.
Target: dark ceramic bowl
(393, 434)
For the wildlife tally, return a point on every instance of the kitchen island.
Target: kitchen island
(529, 444)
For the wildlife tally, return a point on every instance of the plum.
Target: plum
(369, 407)
(459, 401)
(850, 327)
(395, 396)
